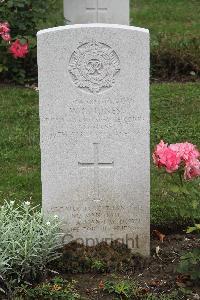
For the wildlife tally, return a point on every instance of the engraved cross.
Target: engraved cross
(94, 5)
(96, 165)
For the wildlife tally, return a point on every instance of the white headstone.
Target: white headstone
(96, 11)
(94, 114)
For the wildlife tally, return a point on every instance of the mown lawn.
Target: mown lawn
(171, 17)
(19, 144)
(174, 29)
(175, 116)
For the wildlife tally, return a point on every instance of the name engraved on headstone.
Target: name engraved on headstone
(107, 117)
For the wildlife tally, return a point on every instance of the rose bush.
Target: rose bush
(19, 22)
(184, 159)
(16, 48)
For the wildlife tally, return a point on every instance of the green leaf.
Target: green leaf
(195, 204)
(175, 189)
(23, 41)
(198, 226)
(190, 229)
(184, 190)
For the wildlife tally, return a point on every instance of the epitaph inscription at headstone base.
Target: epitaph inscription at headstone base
(94, 114)
(96, 11)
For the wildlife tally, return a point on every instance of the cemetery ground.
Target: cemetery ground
(111, 272)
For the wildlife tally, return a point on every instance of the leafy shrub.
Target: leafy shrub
(128, 289)
(28, 243)
(25, 18)
(190, 264)
(123, 289)
(190, 261)
(57, 288)
(97, 265)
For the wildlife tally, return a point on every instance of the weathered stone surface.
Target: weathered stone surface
(96, 11)
(94, 114)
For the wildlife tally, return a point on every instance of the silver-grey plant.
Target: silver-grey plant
(28, 241)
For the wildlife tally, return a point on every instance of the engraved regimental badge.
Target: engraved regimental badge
(94, 66)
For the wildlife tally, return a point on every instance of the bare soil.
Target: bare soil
(157, 274)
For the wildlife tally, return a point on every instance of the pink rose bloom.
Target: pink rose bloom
(158, 151)
(6, 37)
(164, 156)
(4, 31)
(192, 169)
(187, 151)
(18, 49)
(4, 28)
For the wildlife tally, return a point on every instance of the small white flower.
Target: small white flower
(12, 202)
(27, 203)
(48, 223)
(55, 217)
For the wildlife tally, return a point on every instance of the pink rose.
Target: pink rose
(158, 151)
(187, 151)
(18, 49)
(4, 31)
(4, 28)
(6, 37)
(173, 155)
(164, 156)
(192, 169)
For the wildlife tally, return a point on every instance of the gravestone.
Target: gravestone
(96, 11)
(94, 116)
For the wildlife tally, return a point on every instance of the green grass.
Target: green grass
(174, 28)
(172, 17)
(175, 117)
(19, 144)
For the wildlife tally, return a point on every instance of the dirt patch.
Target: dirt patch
(92, 266)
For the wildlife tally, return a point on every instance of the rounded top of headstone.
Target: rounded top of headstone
(94, 25)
